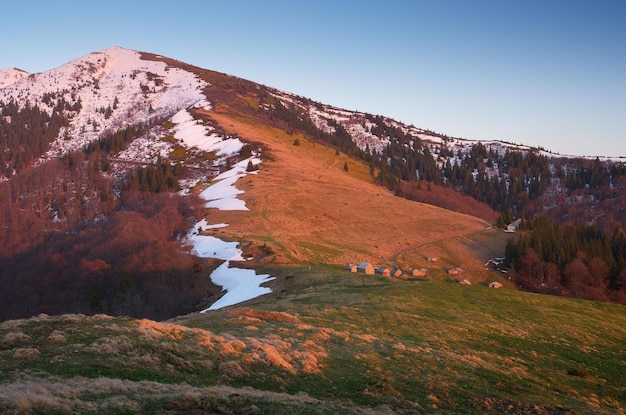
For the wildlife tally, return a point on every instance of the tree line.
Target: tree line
(26, 133)
(581, 261)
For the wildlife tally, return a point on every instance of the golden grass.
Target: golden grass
(26, 354)
(77, 395)
(260, 315)
(305, 207)
(57, 337)
(13, 338)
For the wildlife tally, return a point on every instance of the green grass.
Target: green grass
(345, 341)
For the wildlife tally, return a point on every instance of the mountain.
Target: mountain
(95, 145)
(175, 240)
(90, 195)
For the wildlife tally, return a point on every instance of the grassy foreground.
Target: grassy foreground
(328, 341)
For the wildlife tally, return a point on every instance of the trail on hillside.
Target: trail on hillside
(394, 258)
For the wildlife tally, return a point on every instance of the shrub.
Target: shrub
(14, 337)
(580, 372)
(26, 354)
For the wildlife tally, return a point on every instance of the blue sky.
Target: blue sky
(543, 73)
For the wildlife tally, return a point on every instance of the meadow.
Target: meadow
(329, 341)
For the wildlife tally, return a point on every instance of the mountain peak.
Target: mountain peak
(137, 90)
(9, 76)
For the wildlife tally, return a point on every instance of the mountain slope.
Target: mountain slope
(113, 87)
(108, 222)
(308, 208)
(129, 117)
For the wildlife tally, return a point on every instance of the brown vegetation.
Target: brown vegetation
(307, 208)
(448, 198)
(130, 263)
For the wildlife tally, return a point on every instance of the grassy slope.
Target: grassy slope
(330, 342)
(306, 208)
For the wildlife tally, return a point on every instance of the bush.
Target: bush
(580, 372)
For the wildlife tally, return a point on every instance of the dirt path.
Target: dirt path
(393, 260)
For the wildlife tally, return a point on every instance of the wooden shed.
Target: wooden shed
(384, 271)
(396, 272)
(455, 271)
(366, 268)
(421, 272)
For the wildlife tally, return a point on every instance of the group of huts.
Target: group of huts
(368, 268)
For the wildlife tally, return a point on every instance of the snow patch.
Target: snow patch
(193, 133)
(223, 194)
(239, 284)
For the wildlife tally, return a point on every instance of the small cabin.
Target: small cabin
(495, 284)
(351, 267)
(396, 272)
(432, 259)
(366, 268)
(384, 271)
(455, 271)
(419, 272)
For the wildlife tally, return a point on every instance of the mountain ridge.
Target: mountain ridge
(116, 52)
(122, 112)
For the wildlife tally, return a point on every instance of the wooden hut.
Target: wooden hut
(384, 271)
(421, 272)
(396, 272)
(366, 268)
(455, 271)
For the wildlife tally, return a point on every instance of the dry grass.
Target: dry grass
(104, 395)
(26, 354)
(265, 315)
(57, 337)
(14, 337)
(305, 207)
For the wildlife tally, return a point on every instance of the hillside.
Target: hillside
(328, 342)
(85, 175)
(135, 187)
(306, 208)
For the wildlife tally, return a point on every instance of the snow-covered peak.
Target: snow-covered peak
(9, 76)
(114, 88)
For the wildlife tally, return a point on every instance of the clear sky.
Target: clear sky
(548, 73)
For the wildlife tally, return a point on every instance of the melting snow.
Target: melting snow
(222, 194)
(193, 133)
(240, 284)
